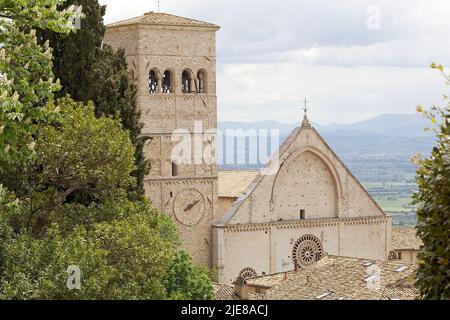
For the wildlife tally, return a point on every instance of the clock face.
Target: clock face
(189, 207)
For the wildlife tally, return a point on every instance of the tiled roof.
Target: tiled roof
(233, 183)
(405, 238)
(342, 278)
(266, 281)
(225, 292)
(163, 19)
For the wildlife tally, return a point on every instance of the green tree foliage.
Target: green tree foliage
(117, 260)
(125, 249)
(433, 200)
(75, 54)
(89, 71)
(27, 84)
(186, 281)
(80, 162)
(113, 93)
(65, 176)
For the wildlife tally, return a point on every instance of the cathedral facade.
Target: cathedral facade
(308, 205)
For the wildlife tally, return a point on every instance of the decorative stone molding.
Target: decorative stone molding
(180, 181)
(365, 220)
(301, 224)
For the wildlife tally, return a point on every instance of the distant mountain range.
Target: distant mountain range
(401, 134)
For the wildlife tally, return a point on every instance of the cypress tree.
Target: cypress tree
(89, 71)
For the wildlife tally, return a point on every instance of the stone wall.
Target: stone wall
(225, 203)
(185, 191)
(268, 248)
(331, 186)
(407, 256)
(263, 227)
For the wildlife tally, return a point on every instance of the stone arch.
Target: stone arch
(202, 81)
(187, 81)
(307, 183)
(168, 81)
(307, 250)
(154, 80)
(248, 273)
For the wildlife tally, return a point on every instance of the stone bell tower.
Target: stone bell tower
(173, 62)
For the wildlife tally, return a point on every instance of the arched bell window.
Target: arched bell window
(153, 81)
(202, 81)
(187, 81)
(167, 82)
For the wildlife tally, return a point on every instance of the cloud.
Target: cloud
(337, 94)
(273, 53)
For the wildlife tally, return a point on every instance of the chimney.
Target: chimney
(241, 288)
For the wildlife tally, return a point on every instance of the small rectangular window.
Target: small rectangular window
(399, 256)
(302, 214)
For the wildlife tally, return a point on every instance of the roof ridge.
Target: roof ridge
(162, 19)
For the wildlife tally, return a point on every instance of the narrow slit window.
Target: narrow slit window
(302, 214)
(167, 82)
(174, 169)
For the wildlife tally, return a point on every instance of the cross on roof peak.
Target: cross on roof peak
(305, 122)
(305, 109)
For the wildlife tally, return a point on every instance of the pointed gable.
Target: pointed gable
(305, 179)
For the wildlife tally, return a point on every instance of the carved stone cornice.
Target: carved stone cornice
(301, 224)
(180, 181)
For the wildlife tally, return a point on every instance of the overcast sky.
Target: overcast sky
(353, 59)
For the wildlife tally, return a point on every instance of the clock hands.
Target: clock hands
(191, 206)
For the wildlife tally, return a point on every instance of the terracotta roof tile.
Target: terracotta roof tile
(405, 238)
(233, 183)
(163, 19)
(225, 292)
(342, 278)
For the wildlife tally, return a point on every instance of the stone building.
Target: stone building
(232, 183)
(311, 206)
(405, 244)
(308, 206)
(173, 62)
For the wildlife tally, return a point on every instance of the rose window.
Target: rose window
(248, 273)
(307, 250)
